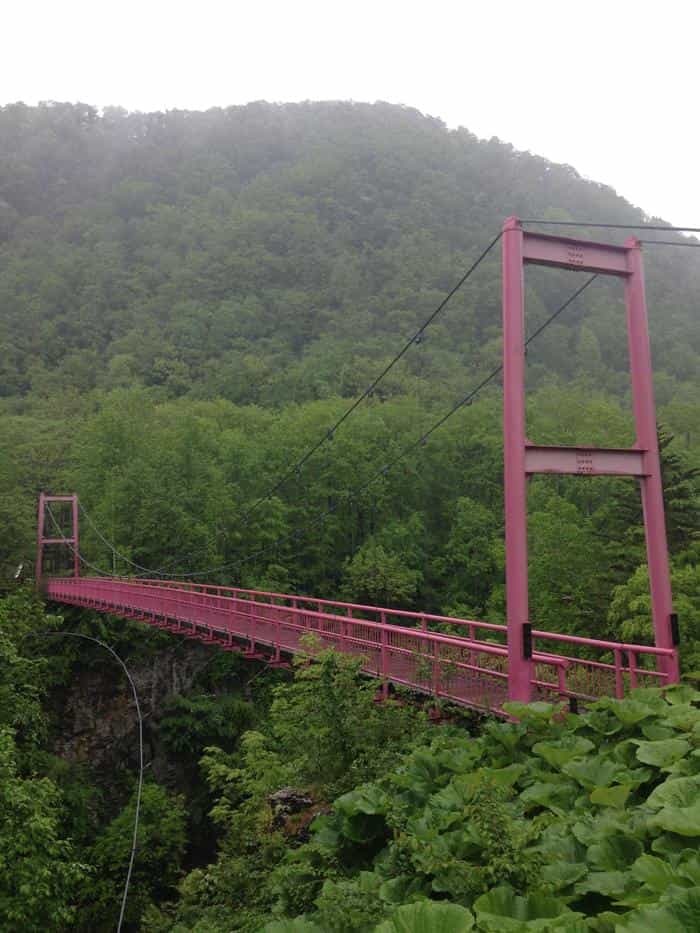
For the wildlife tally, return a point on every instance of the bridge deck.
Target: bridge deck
(426, 653)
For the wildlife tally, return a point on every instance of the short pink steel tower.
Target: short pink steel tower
(523, 458)
(55, 535)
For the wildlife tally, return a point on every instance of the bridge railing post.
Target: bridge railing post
(384, 655)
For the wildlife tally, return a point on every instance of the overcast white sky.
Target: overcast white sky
(609, 87)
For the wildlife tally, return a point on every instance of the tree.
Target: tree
(379, 578)
(39, 872)
(160, 846)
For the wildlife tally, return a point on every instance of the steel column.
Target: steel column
(647, 440)
(514, 476)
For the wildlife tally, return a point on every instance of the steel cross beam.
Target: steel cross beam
(523, 458)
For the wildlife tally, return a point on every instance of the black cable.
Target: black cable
(586, 223)
(139, 717)
(111, 546)
(69, 544)
(415, 338)
(669, 243)
(354, 492)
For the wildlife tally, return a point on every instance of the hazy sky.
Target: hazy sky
(609, 87)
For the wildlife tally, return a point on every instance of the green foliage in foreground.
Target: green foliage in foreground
(568, 823)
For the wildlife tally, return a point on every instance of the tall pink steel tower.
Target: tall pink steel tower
(522, 458)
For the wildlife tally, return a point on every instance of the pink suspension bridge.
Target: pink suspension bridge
(471, 663)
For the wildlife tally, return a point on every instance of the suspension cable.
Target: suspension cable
(352, 493)
(586, 223)
(413, 339)
(69, 544)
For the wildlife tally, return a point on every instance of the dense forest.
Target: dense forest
(188, 302)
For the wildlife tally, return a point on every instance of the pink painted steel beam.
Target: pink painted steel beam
(514, 476)
(651, 484)
(585, 461)
(565, 253)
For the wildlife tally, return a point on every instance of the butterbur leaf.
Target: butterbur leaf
(559, 798)
(614, 852)
(653, 731)
(428, 917)
(537, 712)
(502, 909)
(662, 753)
(675, 792)
(565, 749)
(298, 925)
(632, 711)
(685, 821)
(609, 883)
(615, 796)
(593, 772)
(602, 721)
(678, 913)
(682, 693)
(653, 872)
(683, 717)
(402, 889)
(563, 874)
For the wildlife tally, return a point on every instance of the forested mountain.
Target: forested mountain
(268, 253)
(188, 301)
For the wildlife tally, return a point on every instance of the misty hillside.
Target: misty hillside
(274, 252)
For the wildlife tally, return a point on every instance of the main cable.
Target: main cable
(669, 243)
(415, 338)
(69, 544)
(296, 467)
(139, 786)
(111, 547)
(352, 493)
(587, 223)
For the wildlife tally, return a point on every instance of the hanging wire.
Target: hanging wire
(413, 339)
(328, 435)
(586, 223)
(139, 787)
(111, 547)
(669, 243)
(69, 544)
(349, 495)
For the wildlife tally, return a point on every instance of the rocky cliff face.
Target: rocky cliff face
(97, 724)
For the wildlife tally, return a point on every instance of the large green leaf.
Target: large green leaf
(598, 771)
(557, 797)
(563, 874)
(615, 796)
(502, 909)
(685, 821)
(680, 913)
(662, 753)
(675, 792)
(653, 872)
(608, 883)
(428, 917)
(567, 748)
(682, 693)
(614, 852)
(298, 925)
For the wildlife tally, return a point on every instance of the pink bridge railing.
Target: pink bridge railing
(425, 652)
